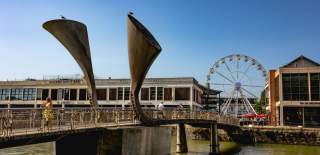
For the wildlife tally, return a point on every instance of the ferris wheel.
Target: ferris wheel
(241, 79)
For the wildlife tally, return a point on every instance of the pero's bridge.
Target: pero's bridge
(17, 122)
(27, 126)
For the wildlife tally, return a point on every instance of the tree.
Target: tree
(258, 106)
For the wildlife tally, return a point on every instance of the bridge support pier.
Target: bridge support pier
(182, 146)
(116, 141)
(82, 143)
(214, 140)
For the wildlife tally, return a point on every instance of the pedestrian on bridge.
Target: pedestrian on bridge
(47, 112)
(160, 112)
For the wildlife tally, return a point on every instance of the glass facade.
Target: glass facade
(292, 116)
(102, 94)
(153, 93)
(113, 94)
(295, 87)
(39, 94)
(45, 94)
(159, 93)
(145, 94)
(16, 94)
(73, 94)
(4, 94)
(315, 86)
(82, 94)
(126, 93)
(312, 116)
(167, 94)
(182, 93)
(60, 94)
(29, 94)
(120, 93)
(66, 94)
(54, 94)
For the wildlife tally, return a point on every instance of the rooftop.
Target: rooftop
(301, 61)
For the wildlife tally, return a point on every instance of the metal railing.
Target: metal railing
(20, 121)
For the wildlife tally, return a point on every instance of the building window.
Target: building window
(295, 87)
(113, 94)
(292, 116)
(194, 95)
(126, 93)
(120, 93)
(315, 86)
(145, 94)
(312, 116)
(167, 94)
(54, 94)
(73, 94)
(82, 94)
(182, 93)
(160, 93)
(16, 94)
(60, 94)
(39, 94)
(198, 100)
(29, 94)
(4, 94)
(153, 93)
(66, 94)
(45, 94)
(102, 94)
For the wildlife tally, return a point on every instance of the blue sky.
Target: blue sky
(193, 34)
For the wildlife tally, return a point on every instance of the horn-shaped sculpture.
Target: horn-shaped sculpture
(142, 50)
(73, 36)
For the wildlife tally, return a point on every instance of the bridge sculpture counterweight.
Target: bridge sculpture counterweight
(73, 36)
(143, 49)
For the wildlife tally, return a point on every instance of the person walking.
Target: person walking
(47, 112)
(160, 108)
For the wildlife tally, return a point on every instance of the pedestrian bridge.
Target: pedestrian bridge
(23, 126)
(24, 121)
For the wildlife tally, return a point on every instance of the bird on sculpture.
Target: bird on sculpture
(62, 17)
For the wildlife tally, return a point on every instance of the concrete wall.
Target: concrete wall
(146, 141)
(271, 135)
(125, 141)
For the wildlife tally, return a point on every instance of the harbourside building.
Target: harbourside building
(294, 93)
(72, 92)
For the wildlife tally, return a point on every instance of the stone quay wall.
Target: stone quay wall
(266, 134)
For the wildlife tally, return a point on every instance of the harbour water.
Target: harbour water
(201, 147)
(196, 147)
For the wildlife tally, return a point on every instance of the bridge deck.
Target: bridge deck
(26, 126)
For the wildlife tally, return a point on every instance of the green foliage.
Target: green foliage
(263, 98)
(258, 106)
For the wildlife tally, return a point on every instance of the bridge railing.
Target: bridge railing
(30, 120)
(174, 114)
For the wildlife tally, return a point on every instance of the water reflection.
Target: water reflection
(35, 149)
(279, 149)
(196, 147)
